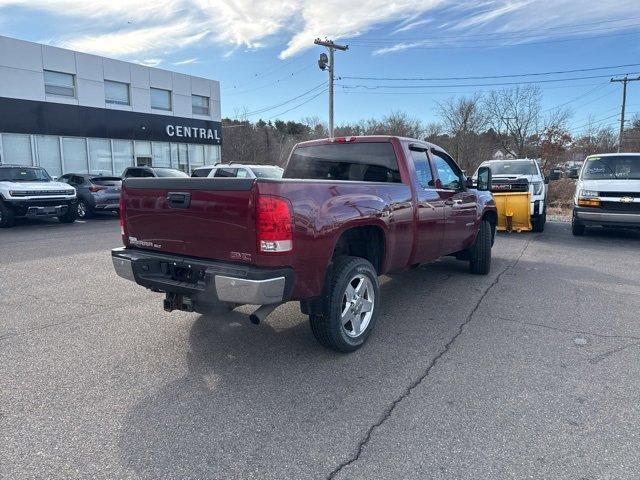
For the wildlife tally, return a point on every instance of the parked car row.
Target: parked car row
(31, 192)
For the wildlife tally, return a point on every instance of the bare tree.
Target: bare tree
(514, 114)
(464, 120)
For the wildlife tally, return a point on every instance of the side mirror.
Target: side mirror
(546, 180)
(484, 179)
(469, 183)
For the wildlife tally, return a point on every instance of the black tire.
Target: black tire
(328, 327)
(81, 207)
(577, 229)
(70, 216)
(480, 251)
(7, 217)
(538, 225)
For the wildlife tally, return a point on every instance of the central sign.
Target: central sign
(185, 131)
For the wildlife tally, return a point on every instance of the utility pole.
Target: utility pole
(325, 62)
(624, 82)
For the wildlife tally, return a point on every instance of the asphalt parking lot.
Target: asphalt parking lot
(531, 372)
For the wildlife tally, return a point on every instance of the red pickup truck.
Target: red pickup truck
(346, 211)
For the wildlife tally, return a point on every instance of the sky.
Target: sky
(404, 55)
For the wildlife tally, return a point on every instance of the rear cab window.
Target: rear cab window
(226, 172)
(201, 172)
(359, 161)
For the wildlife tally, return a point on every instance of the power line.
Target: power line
(374, 87)
(266, 72)
(300, 104)
(275, 82)
(266, 109)
(485, 77)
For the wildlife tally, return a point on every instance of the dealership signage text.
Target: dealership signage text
(182, 131)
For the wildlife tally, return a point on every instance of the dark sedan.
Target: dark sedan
(96, 193)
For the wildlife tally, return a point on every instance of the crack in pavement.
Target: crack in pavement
(407, 391)
(568, 330)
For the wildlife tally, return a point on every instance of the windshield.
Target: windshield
(618, 167)
(512, 168)
(267, 172)
(24, 174)
(169, 172)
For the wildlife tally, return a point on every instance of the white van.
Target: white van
(608, 192)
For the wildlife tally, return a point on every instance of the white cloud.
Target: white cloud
(186, 61)
(156, 28)
(135, 41)
(410, 26)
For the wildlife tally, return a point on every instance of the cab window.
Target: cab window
(447, 171)
(424, 178)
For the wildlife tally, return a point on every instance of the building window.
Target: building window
(48, 149)
(57, 83)
(196, 156)
(160, 99)
(122, 155)
(74, 153)
(16, 149)
(116, 92)
(200, 105)
(100, 156)
(161, 154)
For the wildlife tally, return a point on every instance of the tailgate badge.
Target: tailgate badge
(246, 257)
(143, 243)
(626, 200)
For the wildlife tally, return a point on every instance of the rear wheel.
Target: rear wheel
(70, 216)
(351, 305)
(577, 228)
(480, 251)
(7, 216)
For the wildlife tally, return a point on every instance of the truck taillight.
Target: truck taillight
(274, 224)
(121, 211)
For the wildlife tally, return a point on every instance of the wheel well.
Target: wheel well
(366, 242)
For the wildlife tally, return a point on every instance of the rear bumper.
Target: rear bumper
(596, 216)
(207, 283)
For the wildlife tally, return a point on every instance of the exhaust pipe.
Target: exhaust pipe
(262, 313)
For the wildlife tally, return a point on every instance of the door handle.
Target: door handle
(178, 199)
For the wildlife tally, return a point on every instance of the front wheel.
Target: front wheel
(480, 251)
(6, 216)
(350, 305)
(577, 229)
(70, 216)
(538, 224)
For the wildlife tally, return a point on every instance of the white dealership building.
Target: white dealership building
(72, 112)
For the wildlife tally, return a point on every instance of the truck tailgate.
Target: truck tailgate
(211, 218)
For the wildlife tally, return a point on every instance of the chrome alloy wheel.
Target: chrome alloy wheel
(358, 302)
(82, 210)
